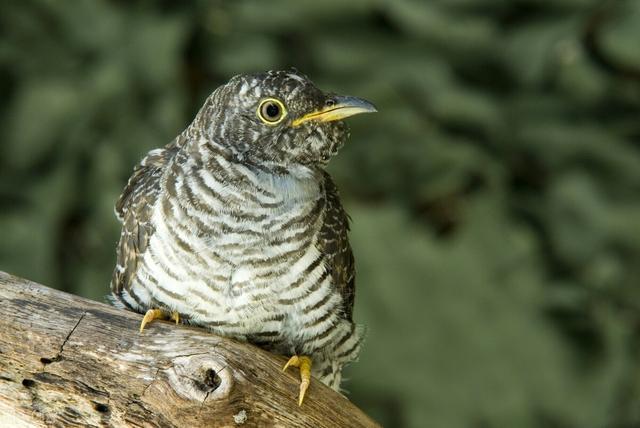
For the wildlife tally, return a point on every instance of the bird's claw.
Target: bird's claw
(304, 363)
(154, 314)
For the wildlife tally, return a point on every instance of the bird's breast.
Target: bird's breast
(234, 256)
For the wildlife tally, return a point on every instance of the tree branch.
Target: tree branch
(67, 360)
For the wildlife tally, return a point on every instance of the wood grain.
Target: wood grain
(69, 361)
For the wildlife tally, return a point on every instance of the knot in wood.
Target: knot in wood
(200, 377)
(209, 381)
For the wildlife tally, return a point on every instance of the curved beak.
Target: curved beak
(342, 108)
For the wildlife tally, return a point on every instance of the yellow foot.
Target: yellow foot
(175, 316)
(305, 373)
(154, 314)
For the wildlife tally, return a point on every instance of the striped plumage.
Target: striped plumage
(236, 226)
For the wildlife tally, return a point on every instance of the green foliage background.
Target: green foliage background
(495, 197)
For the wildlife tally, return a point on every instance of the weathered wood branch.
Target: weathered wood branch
(69, 361)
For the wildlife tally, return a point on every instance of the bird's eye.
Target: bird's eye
(271, 111)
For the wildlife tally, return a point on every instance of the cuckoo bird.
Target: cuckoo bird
(235, 225)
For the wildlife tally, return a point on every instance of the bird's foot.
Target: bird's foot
(154, 314)
(304, 363)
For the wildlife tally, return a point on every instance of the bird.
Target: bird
(235, 226)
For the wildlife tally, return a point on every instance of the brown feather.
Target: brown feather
(334, 242)
(134, 210)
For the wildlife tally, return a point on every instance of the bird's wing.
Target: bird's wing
(334, 242)
(134, 209)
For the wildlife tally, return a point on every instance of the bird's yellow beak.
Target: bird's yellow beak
(341, 108)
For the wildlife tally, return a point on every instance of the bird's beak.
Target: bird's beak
(341, 108)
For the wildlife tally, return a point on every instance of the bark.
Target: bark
(69, 361)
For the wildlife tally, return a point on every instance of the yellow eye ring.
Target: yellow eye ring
(271, 111)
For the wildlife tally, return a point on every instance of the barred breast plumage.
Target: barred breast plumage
(236, 226)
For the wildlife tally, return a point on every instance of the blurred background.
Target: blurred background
(495, 198)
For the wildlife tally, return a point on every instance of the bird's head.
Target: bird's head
(278, 119)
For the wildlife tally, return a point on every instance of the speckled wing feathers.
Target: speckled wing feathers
(134, 209)
(334, 242)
